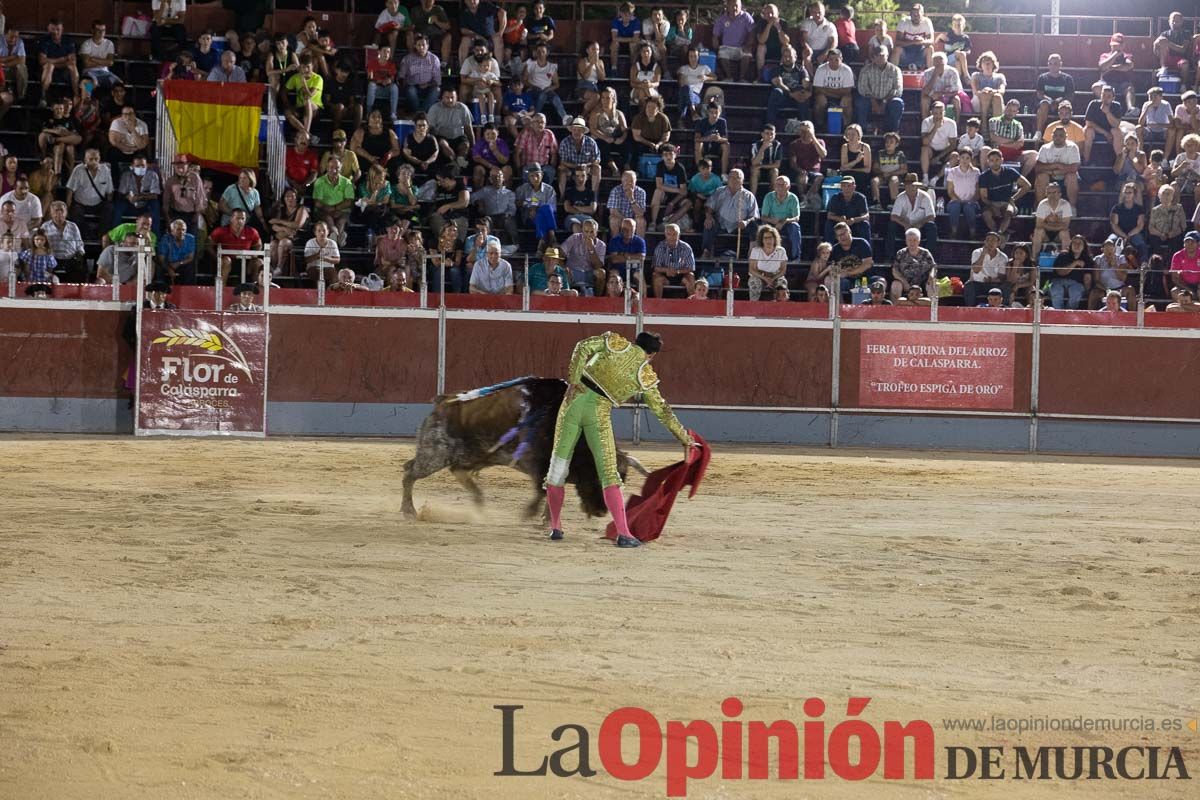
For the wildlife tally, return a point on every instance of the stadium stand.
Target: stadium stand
(1021, 44)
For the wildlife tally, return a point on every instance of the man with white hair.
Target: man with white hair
(730, 209)
(584, 255)
(781, 208)
(227, 71)
(493, 275)
(66, 242)
(627, 200)
(674, 262)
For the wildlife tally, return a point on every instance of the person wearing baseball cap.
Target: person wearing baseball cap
(878, 294)
(1116, 69)
(995, 298)
(350, 163)
(1185, 264)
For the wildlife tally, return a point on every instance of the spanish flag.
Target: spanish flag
(215, 123)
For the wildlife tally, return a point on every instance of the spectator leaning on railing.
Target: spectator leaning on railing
(989, 270)
(493, 275)
(66, 242)
(674, 262)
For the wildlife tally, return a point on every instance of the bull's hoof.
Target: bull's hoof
(409, 512)
(628, 541)
(556, 535)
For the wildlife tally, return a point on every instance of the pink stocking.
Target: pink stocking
(616, 506)
(554, 501)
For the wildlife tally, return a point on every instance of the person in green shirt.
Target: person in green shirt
(551, 264)
(333, 195)
(375, 197)
(700, 187)
(781, 208)
(306, 87)
(605, 371)
(143, 228)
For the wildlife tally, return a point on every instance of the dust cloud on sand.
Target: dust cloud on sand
(228, 619)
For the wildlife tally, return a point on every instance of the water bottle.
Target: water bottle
(941, 205)
(370, 239)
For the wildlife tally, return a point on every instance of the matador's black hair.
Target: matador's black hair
(650, 342)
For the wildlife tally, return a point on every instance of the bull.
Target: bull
(510, 424)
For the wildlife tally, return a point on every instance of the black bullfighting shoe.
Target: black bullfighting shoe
(556, 535)
(628, 541)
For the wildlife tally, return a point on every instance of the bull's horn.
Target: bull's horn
(633, 462)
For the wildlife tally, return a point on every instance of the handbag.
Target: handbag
(136, 26)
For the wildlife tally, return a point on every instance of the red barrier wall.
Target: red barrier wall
(1120, 376)
(61, 353)
(371, 359)
(352, 359)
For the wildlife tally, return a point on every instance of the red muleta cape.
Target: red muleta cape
(647, 512)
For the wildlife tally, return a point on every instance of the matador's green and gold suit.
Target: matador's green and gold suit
(605, 371)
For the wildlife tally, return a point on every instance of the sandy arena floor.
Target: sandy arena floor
(187, 619)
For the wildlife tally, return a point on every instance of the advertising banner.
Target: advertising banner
(202, 373)
(936, 369)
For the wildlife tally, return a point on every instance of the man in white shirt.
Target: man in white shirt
(492, 275)
(913, 209)
(89, 193)
(962, 191)
(168, 20)
(96, 57)
(914, 39)
(939, 135)
(819, 33)
(1052, 218)
(834, 81)
(1057, 161)
(941, 84)
(989, 268)
(26, 204)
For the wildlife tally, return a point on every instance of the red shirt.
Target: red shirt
(382, 70)
(846, 31)
(249, 240)
(300, 165)
(1188, 268)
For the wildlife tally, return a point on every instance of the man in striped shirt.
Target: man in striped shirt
(537, 145)
(65, 240)
(1007, 132)
(578, 151)
(628, 200)
(674, 262)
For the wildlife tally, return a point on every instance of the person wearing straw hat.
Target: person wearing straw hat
(605, 371)
(551, 266)
(578, 151)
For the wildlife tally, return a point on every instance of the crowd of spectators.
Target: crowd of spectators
(461, 150)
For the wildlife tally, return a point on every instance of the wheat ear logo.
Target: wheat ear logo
(216, 344)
